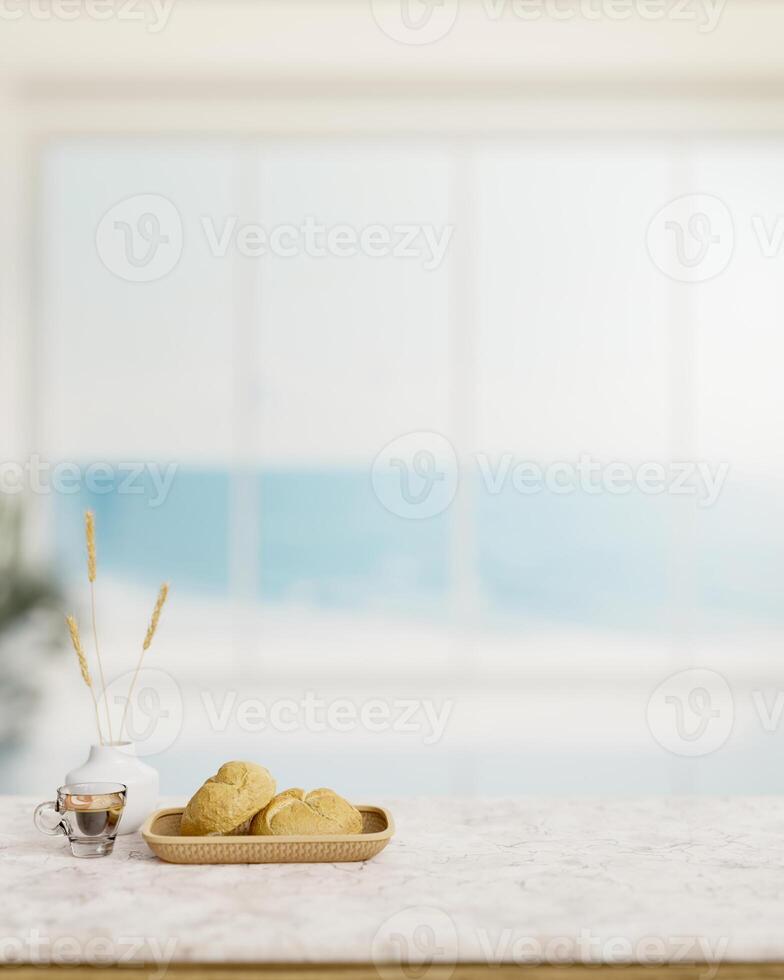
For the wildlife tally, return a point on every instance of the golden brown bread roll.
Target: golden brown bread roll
(227, 800)
(294, 812)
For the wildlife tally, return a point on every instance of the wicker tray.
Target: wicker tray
(161, 831)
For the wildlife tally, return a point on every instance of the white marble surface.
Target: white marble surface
(508, 880)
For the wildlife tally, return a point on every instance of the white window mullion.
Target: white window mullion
(462, 318)
(244, 504)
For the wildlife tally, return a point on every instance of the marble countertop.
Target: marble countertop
(522, 880)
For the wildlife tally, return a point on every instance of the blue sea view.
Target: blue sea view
(325, 540)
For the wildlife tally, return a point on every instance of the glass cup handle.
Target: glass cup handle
(43, 819)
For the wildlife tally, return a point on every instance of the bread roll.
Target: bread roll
(227, 800)
(296, 813)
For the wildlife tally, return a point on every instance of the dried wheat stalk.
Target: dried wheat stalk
(89, 527)
(156, 615)
(73, 629)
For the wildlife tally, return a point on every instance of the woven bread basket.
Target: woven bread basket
(161, 832)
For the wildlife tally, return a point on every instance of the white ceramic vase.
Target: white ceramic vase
(117, 763)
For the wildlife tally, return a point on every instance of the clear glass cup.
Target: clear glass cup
(88, 814)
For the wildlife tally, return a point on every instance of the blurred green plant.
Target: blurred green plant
(30, 620)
